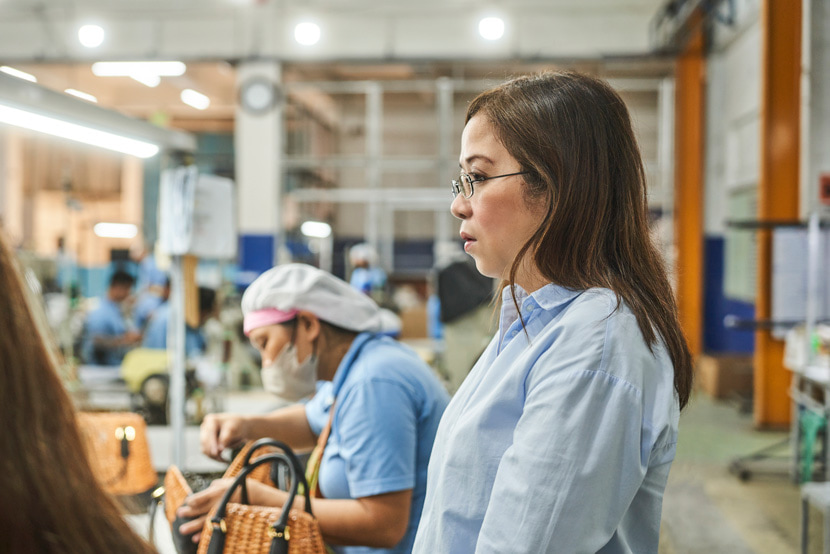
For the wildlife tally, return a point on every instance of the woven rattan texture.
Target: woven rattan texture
(118, 476)
(248, 531)
(261, 473)
(176, 490)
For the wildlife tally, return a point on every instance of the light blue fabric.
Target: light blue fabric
(144, 307)
(368, 279)
(155, 335)
(105, 321)
(559, 440)
(388, 407)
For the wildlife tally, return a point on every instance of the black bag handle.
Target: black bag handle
(279, 542)
(275, 468)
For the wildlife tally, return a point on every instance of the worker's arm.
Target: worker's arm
(289, 425)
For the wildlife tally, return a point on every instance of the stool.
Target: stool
(818, 495)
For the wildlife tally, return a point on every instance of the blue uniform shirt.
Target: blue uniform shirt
(144, 308)
(104, 321)
(155, 335)
(388, 407)
(560, 439)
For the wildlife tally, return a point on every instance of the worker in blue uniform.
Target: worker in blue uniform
(379, 401)
(148, 301)
(155, 335)
(108, 335)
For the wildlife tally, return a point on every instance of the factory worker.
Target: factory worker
(108, 335)
(380, 402)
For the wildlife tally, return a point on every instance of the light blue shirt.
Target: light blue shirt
(155, 335)
(144, 307)
(560, 439)
(388, 407)
(105, 321)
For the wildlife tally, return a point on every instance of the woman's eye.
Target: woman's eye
(476, 176)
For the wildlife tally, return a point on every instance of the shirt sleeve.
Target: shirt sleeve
(377, 427)
(576, 461)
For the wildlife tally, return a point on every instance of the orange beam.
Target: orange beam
(688, 187)
(778, 189)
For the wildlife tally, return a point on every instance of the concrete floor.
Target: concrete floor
(708, 510)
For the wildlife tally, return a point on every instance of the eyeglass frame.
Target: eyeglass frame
(458, 187)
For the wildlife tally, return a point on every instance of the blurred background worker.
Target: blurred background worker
(155, 295)
(155, 336)
(367, 276)
(108, 334)
(464, 310)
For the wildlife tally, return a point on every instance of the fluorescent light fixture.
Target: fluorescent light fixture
(316, 229)
(115, 230)
(150, 79)
(128, 69)
(491, 28)
(17, 73)
(79, 133)
(80, 94)
(195, 99)
(91, 36)
(307, 33)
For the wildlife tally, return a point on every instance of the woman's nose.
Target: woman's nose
(460, 207)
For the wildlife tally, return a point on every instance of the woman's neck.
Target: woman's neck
(331, 354)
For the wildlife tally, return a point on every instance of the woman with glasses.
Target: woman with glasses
(561, 437)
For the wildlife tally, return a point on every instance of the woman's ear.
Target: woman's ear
(308, 324)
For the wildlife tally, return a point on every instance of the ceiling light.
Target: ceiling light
(491, 28)
(307, 33)
(79, 133)
(128, 69)
(91, 36)
(316, 229)
(195, 99)
(17, 73)
(115, 230)
(150, 79)
(80, 94)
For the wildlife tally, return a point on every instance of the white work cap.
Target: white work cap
(279, 293)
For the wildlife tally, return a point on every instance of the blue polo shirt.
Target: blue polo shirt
(388, 407)
(104, 321)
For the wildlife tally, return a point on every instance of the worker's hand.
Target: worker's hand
(221, 431)
(196, 507)
(131, 337)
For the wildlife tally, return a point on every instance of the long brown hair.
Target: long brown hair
(50, 500)
(573, 134)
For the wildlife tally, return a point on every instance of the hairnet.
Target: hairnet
(291, 287)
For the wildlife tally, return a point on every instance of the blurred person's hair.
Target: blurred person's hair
(50, 500)
(122, 278)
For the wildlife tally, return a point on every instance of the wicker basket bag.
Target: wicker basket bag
(235, 528)
(116, 447)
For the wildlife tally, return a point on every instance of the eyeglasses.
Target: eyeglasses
(464, 183)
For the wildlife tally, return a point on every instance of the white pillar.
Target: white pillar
(259, 154)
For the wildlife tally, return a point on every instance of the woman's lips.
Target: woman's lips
(468, 241)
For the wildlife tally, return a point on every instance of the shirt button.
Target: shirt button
(531, 307)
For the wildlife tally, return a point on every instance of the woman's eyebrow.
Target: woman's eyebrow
(475, 157)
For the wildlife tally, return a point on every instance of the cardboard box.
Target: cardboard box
(724, 375)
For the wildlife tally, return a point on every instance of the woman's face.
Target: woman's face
(496, 220)
(271, 339)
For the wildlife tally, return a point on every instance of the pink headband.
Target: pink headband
(267, 316)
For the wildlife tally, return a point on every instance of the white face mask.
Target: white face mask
(289, 379)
